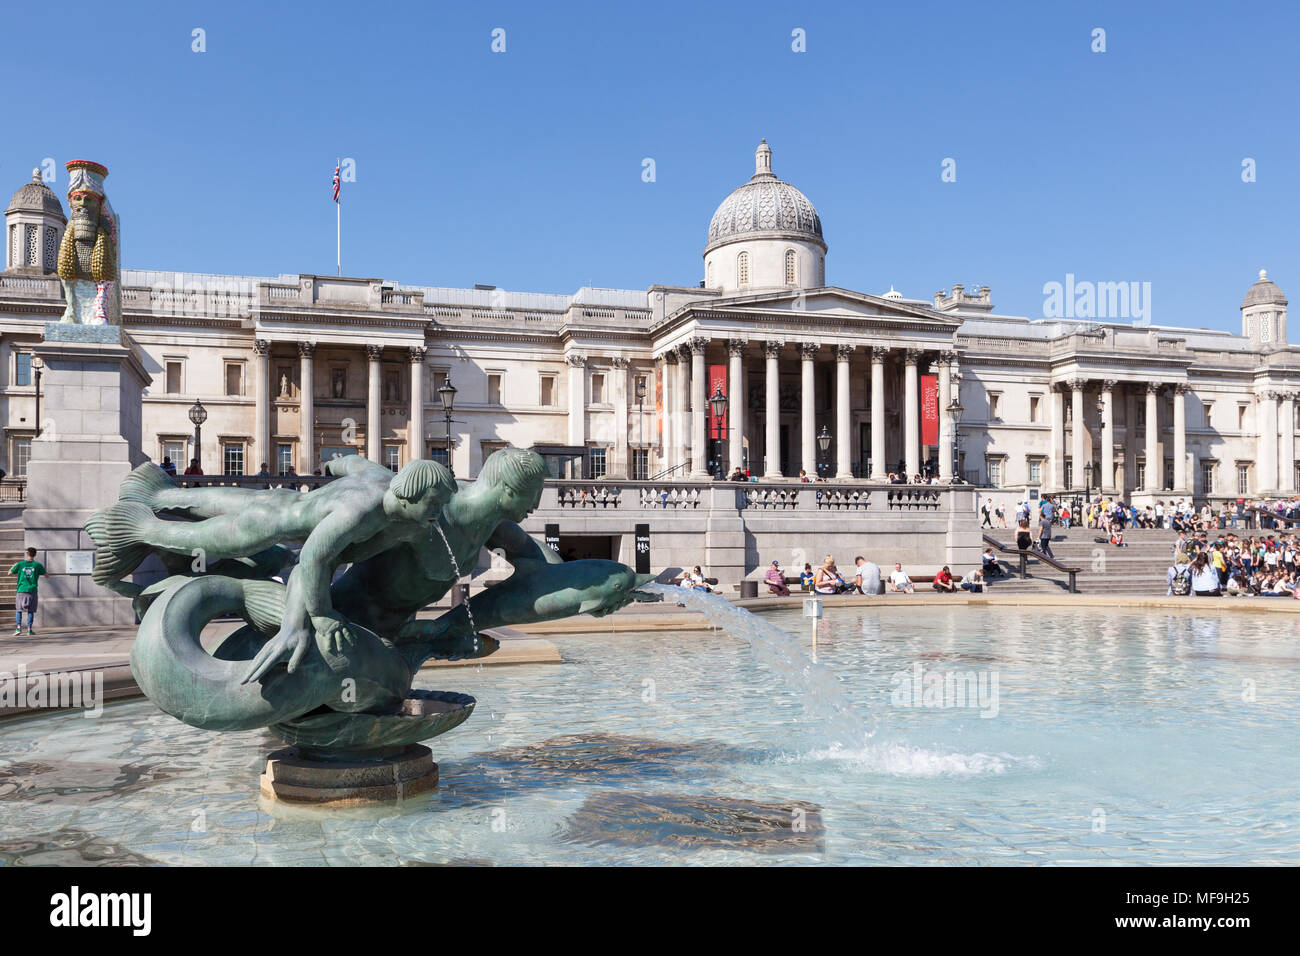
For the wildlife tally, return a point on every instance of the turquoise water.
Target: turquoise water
(1118, 737)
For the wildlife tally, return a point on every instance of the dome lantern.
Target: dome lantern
(34, 222)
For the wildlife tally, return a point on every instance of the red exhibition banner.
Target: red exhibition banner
(929, 410)
(717, 380)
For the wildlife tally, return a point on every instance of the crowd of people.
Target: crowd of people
(1266, 565)
(867, 578)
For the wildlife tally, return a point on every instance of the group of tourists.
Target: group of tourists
(1263, 565)
(867, 578)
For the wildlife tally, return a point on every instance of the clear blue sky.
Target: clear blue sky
(523, 169)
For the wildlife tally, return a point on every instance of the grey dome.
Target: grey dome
(765, 206)
(37, 197)
(1263, 292)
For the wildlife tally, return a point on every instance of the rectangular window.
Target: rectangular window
(494, 388)
(1241, 416)
(1141, 474)
(1035, 408)
(548, 391)
(640, 464)
(1035, 471)
(995, 403)
(232, 458)
(995, 472)
(595, 462)
(22, 368)
(1141, 415)
(1069, 474)
(1243, 479)
(173, 385)
(438, 453)
(1207, 477)
(175, 450)
(392, 457)
(597, 389)
(22, 455)
(1169, 474)
(489, 448)
(1206, 409)
(234, 380)
(436, 381)
(283, 458)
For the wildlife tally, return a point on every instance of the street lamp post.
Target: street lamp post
(198, 415)
(823, 445)
(640, 419)
(1087, 484)
(38, 366)
(719, 404)
(447, 395)
(954, 413)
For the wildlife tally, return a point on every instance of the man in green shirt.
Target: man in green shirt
(29, 574)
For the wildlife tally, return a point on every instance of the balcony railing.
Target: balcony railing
(302, 483)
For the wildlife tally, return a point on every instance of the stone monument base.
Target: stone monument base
(292, 777)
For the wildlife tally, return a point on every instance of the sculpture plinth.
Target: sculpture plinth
(293, 778)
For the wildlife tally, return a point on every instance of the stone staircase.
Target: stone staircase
(11, 551)
(1138, 568)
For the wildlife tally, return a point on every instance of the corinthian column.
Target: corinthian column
(1154, 466)
(1267, 424)
(1180, 438)
(682, 427)
(621, 464)
(736, 402)
(843, 414)
(699, 410)
(307, 408)
(577, 398)
(262, 393)
(878, 470)
(1056, 407)
(946, 423)
(1286, 469)
(772, 398)
(668, 398)
(1077, 452)
(808, 423)
(373, 403)
(911, 411)
(415, 435)
(1106, 480)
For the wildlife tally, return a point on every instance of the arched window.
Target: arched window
(708, 279)
(742, 269)
(790, 267)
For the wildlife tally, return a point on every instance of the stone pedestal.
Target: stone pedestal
(90, 440)
(295, 778)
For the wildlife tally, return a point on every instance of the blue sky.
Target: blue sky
(523, 169)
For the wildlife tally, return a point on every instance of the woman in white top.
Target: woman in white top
(1205, 578)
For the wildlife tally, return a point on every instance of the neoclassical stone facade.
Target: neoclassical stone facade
(293, 369)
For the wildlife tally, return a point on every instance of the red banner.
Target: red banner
(717, 380)
(929, 410)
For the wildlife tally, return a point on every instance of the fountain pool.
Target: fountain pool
(1101, 737)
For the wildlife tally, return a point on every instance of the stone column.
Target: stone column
(577, 398)
(946, 423)
(772, 398)
(1077, 452)
(1106, 480)
(1154, 465)
(808, 408)
(1267, 456)
(1056, 403)
(1286, 466)
(306, 408)
(878, 470)
(621, 466)
(262, 401)
(1180, 439)
(735, 403)
(911, 411)
(374, 446)
(682, 427)
(843, 413)
(415, 433)
(699, 410)
(667, 398)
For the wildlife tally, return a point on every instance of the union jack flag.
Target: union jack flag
(336, 183)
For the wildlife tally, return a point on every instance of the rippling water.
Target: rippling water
(1107, 737)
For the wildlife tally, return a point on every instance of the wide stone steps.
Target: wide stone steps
(1137, 568)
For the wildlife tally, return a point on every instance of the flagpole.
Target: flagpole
(338, 230)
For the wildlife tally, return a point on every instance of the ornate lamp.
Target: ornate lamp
(198, 415)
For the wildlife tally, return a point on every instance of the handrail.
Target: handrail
(1272, 515)
(669, 471)
(1024, 560)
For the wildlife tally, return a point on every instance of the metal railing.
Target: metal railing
(1026, 553)
(13, 489)
(255, 482)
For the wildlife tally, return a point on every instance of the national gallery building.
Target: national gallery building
(762, 365)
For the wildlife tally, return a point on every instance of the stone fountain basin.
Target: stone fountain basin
(333, 735)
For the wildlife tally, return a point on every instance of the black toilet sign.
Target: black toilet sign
(553, 537)
(643, 549)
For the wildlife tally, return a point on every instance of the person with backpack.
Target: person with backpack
(1179, 576)
(29, 579)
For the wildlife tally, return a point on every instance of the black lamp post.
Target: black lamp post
(198, 415)
(640, 418)
(447, 395)
(823, 446)
(719, 405)
(1087, 482)
(954, 412)
(38, 366)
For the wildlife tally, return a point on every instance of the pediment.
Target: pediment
(822, 304)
